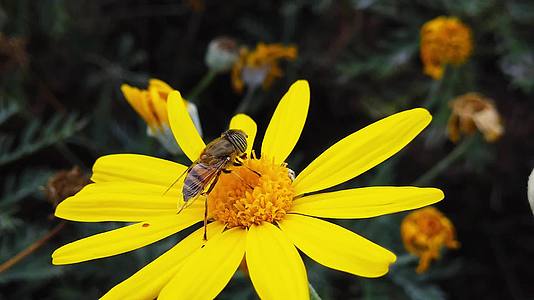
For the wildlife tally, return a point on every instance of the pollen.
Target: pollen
(243, 198)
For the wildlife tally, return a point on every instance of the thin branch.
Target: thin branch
(32, 248)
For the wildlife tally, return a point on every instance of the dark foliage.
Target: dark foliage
(61, 106)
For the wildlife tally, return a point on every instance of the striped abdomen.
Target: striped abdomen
(198, 177)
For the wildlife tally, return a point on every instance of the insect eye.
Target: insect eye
(238, 138)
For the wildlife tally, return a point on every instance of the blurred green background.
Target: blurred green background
(61, 106)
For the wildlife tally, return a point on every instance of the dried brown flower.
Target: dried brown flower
(64, 184)
(473, 111)
(12, 52)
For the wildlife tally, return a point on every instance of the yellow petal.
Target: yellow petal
(148, 282)
(137, 168)
(208, 270)
(362, 150)
(159, 84)
(148, 109)
(159, 106)
(120, 201)
(366, 202)
(336, 247)
(287, 122)
(274, 265)
(125, 239)
(183, 128)
(245, 123)
(135, 97)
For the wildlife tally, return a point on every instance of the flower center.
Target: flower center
(243, 198)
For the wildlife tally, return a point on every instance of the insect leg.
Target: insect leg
(210, 188)
(205, 238)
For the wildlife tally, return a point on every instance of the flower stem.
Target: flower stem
(438, 89)
(201, 86)
(244, 106)
(433, 94)
(313, 293)
(30, 249)
(453, 156)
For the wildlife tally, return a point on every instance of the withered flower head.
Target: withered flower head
(64, 184)
(222, 54)
(473, 111)
(424, 232)
(12, 52)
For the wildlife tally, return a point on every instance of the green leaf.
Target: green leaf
(38, 135)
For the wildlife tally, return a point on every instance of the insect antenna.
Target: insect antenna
(242, 179)
(253, 171)
(239, 163)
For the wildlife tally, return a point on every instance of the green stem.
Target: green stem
(433, 94)
(201, 86)
(438, 89)
(313, 293)
(61, 147)
(453, 156)
(246, 101)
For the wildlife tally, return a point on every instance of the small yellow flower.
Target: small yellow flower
(261, 66)
(424, 232)
(473, 111)
(444, 40)
(261, 219)
(151, 105)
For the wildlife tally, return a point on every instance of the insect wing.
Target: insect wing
(200, 176)
(177, 179)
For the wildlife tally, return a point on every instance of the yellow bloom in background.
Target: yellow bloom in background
(473, 111)
(260, 66)
(424, 232)
(444, 40)
(151, 105)
(262, 219)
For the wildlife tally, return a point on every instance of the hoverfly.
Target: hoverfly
(203, 174)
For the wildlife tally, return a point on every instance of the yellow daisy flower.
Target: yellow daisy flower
(444, 40)
(424, 232)
(263, 221)
(151, 105)
(260, 66)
